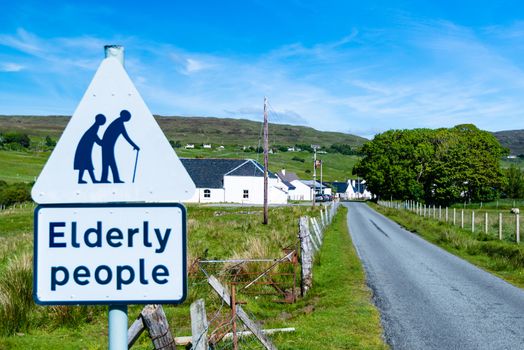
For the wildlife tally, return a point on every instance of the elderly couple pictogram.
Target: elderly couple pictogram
(83, 154)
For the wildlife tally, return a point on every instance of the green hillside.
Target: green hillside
(25, 165)
(512, 139)
(198, 130)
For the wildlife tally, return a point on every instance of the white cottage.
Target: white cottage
(233, 181)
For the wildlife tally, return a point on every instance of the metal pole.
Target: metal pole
(266, 156)
(116, 51)
(314, 174)
(321, 184)
(117, 327)
(117, 314)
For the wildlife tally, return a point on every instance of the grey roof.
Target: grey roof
(209, 173)
(249, 167)
(340, 187)
(312, 184)
(289, 176)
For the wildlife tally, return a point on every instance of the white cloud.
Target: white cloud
(11, 67)
(438, 75)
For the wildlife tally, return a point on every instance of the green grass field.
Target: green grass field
(21, 166)
(336, 314)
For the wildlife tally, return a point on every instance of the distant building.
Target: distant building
(299, 191)
(206, 145)
(233, 181)
(190, 146)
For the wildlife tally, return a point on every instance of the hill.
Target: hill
(198, 130)
(512, 139)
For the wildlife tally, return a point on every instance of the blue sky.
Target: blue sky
(353, 66)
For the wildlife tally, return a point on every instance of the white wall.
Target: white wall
(234, 187)
(217, 196)
(301, 192)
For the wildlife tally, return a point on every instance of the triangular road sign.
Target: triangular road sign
(112, 150)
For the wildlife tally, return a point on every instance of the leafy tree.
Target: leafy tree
(514, 186)
(437, 166)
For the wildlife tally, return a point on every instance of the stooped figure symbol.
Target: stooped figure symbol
(83, 155)
(83, 159)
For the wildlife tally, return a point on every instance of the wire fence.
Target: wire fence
(492, 223)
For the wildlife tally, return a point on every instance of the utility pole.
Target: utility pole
(266, 156)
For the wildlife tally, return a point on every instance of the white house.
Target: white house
(298, 191)
(233, 181)
(357, 189)
(190, 146)
(341, 189)
(316, 187)
(206, 145)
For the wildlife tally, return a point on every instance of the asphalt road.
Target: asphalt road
(428, 298)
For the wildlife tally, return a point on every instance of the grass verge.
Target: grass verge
(338, 312)
(502, 258)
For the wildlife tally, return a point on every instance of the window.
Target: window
(207, 193)
(246, 194)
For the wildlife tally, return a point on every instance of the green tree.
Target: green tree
(438, 166)
(514, 186)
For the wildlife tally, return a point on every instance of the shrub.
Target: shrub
(298, 159)
(12, 139)
(15, 193)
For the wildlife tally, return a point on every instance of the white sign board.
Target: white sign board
(112, 150)
(110, 254)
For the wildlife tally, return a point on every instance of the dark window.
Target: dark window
(246, 194)
(207, 193)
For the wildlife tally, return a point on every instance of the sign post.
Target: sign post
(109, 229)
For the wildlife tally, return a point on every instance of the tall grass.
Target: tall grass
(16, 301)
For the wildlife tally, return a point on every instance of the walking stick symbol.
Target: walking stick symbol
(136, 162)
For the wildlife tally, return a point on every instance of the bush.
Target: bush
(14, 139)
(15, 193)
(298, 159)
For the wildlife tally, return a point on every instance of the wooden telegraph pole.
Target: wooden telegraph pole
(266, 155)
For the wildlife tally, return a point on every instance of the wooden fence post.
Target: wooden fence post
(199, 326)
(517, 217)
(500, 226)
(306, 256)
(473, 221)
(447, 215)
(486, 222)
(242, 315)
(155, 321)
(462, 218)
(454, 216)
(439, 213)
